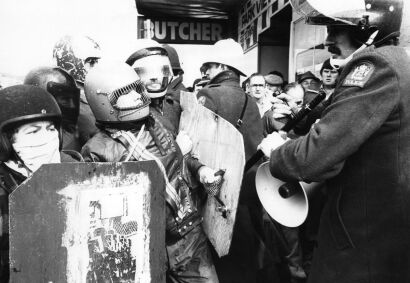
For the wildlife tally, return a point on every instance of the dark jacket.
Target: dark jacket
(86, 122)
(9, 181)
(247, 255)
(225, 97)
(103, 148)
(172, 108)
(361, 146)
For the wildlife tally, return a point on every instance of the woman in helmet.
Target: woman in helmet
(130, 133)
(30, 136)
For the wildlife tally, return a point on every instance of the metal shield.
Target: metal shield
(219, 145)
(89, 222)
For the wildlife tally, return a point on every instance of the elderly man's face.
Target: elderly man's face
(257, 87)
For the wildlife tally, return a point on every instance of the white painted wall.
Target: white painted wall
(30, 28)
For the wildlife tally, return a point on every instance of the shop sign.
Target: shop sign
(182, 31)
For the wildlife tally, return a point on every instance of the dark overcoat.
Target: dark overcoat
(361, 147)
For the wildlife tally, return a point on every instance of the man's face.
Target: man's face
(339, 43)
(307, 82)
(212, 69)
(275, 89)
(154, 72)
(296, 93)
(90, 63)
(257, 87)
(329, 77)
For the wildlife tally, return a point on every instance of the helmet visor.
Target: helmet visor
(330, 12)
(129, 97)
(155, 72)
(68, 99)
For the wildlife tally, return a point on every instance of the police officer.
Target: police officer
(77, 55)
(360, 147)
(62, 86)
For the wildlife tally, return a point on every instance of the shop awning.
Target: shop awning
(211, 9)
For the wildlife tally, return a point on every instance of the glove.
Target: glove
(271, 142)
(184, 142)
(211, 179)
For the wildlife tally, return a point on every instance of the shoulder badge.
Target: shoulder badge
(201, 100)
(359, 75)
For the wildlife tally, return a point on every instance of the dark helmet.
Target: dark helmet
(108, 87)
(72, 52)
(63, 88)
(21, 104)
(368, 15)
(174, 58)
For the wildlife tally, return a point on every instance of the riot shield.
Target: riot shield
(89, 222)
(219, 145)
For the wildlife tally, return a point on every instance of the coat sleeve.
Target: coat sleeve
(355, 113)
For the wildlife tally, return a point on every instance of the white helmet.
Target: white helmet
(151, 62)
(227, 52)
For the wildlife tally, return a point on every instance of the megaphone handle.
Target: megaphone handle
(253, 160)
(288, 189)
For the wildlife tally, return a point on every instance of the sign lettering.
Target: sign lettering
(181, 31)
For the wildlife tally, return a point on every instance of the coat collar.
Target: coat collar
(225, 77)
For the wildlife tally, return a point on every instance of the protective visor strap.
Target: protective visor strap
(141, 153)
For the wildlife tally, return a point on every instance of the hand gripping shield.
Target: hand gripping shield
(89, 222)
(218, 145)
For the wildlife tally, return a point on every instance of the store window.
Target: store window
(308, 49)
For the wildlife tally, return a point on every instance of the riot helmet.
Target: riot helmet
(150, 61)
(22, 104)
(174, 59)
(63, 88)
(76, 55)
(373, 21)
(116, 94)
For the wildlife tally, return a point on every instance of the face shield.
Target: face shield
(68, 99)
(129, 99)
(332, 12)
(155, 72)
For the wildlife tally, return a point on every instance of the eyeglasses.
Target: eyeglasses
(258, 85)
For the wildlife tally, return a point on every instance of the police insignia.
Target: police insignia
(359, 75)
(202, 100)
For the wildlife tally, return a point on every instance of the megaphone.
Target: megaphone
(286, 203)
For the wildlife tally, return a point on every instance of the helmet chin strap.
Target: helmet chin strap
(340, 63)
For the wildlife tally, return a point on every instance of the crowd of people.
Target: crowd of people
(356, 141)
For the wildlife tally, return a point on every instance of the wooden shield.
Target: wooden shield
(219, 145)
(89, 222)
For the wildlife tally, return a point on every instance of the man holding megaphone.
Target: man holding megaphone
(360, 147)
